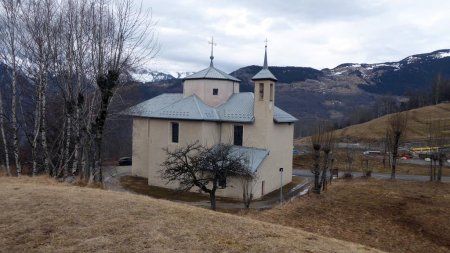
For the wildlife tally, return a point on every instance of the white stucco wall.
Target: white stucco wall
(140, 150)
(204, 90)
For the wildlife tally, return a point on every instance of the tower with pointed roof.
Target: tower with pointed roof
(264, 100)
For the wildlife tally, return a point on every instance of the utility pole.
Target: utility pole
(281, 185)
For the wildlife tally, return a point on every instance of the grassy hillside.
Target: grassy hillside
(39, 215)
(375, 130)
(393, 216)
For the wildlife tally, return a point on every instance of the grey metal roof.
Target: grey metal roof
(178, 107)
(264, 73)
(255, 156)
(280, 116)
(212, 73)
(238, 108)
(149, 107)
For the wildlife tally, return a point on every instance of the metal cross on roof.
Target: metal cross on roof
(212, 49)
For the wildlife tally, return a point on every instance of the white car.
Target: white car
(427, 159)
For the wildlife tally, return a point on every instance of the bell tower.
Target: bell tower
(264, 101)
(263, 105)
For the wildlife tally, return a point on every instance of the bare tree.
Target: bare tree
(437, 140)
(82, 49)
(316, 142)
(327, 148)
(118, 32)
(247, 182)
(395, 130)
(349, 158)
(9, 42)
(2, 130)
(206, 168)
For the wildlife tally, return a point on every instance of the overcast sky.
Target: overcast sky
(308, 33)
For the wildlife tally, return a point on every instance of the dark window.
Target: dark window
(271, 92)
(261, 91)
(215, 92)
(175, 131)
(238, 134)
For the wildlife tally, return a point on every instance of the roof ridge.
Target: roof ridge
(198, 107)
(208, 70)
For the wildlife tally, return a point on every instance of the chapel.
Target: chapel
(212, 110)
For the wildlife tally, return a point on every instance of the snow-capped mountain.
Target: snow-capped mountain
(368, 70)
(144, 75)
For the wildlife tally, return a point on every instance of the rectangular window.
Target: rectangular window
(215, 92)
(175, 128)
(238, 134)
(271, 92)
(261, 91)
(262, 187)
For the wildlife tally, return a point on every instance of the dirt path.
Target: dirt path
(112, 175)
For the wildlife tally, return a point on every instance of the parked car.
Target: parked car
(298, 152)
(406, 157)
(372, 152)
(124, 161)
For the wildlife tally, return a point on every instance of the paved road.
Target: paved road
(307, 173)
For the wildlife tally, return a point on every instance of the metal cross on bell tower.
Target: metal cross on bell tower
(212, 49)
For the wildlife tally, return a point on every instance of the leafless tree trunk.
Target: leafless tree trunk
(437, 140)
(316, 142)
(395, 130)
(36, 131)
(247, 184)
(327, 148)
(349, 159)
(9, 39)
(5, 141)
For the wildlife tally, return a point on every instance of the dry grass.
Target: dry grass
(392, 216)
(375, 129)
(39, 215)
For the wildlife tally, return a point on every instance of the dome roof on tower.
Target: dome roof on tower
(212, 73)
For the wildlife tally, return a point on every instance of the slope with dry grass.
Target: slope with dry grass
(38, 215)
(375, 129)
(389, 215)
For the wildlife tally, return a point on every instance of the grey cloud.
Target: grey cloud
(302, 33)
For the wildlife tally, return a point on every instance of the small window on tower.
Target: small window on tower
(215, 92)
(261, 91)
(271, 92)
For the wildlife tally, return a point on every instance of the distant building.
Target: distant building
(211, 110)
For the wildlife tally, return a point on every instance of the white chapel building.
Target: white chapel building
(211, 110)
